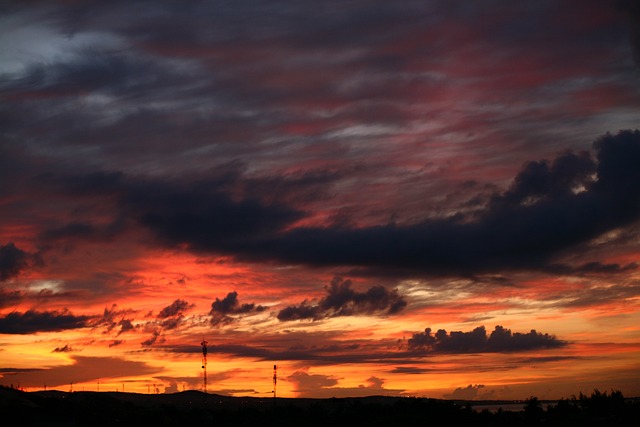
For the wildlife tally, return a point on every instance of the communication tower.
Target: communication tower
(275, 380)
(204, 362)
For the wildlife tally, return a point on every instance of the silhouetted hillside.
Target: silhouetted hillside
(53, 408)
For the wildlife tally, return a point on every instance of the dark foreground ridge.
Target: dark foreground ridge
(53, 408)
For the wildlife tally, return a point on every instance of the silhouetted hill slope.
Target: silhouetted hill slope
(53, 408)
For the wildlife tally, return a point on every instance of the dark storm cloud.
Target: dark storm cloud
(191, 212)
(83, 231)
(75, 229)
(632, 9)
(499, 341)
(31, 322)
(196, 217)
(103, 184)
(342, 300)
(14, 260)
(222, 309)
(543, 179)
(547, 209)
(550, 207)
(261, 63)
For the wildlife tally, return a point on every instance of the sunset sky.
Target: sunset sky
(431, 198)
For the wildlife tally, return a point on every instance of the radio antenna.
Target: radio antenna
(275, 381)
(204, 362)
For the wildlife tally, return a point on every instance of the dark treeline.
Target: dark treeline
(194, 408)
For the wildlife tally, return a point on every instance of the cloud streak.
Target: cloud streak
(83, 369)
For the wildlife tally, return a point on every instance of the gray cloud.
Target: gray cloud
(231, 305)
(477, 341)
(31, 322)
(176, 308)
(14, 260)
(223, 309)
(342, 300)
(111, 318)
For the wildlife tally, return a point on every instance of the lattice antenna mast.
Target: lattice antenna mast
(204, 362)
(275, 381)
